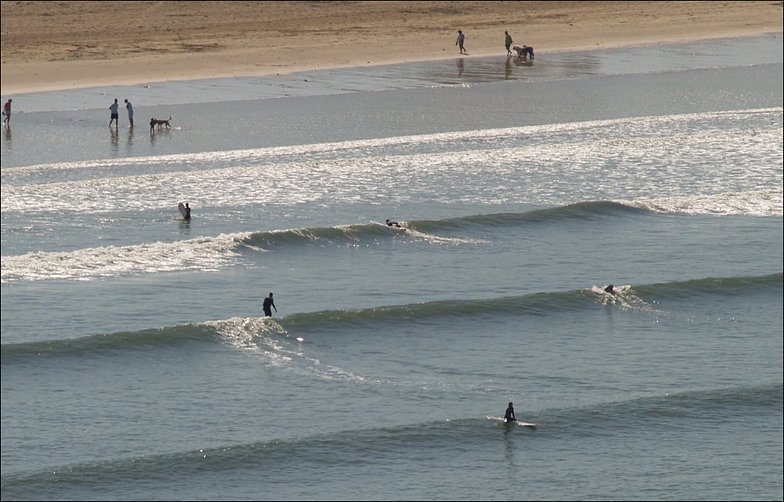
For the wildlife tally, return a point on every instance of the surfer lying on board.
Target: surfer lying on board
(393, 224)
(509, 416)
(609, 289)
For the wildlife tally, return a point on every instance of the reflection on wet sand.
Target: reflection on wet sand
(114, 139)
(159, 132)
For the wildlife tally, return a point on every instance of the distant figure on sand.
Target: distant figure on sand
(7, 113)
(509, 416)
(460, 41)
(129, 107)
(508, 43)
(268, 305)
(114, 113)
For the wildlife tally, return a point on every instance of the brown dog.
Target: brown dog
(160, 122)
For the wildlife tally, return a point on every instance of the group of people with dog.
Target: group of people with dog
(114, 116)
(522, 52)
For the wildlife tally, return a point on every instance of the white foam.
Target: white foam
(203, 254)
(267, 338)
(757, 203)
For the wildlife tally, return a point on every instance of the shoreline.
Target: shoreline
(354, 34)
(220, 71)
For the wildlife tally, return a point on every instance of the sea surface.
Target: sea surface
(137, 364)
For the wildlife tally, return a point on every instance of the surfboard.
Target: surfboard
(181, 207)
(521, 423)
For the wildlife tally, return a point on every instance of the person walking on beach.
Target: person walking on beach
(268, 305)
(129, 107)
(114, 113)
(7, 113)
(508, 43)
(460, 41)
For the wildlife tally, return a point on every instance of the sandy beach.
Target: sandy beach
(63, 45)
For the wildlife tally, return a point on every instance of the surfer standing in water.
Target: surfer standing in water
(509, 416)
(268, 305)
(187, 211)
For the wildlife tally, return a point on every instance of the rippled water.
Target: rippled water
(135, 363)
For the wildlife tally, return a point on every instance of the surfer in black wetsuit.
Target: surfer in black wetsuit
(509, 416)
(268, 305)
(609, 289)
(187, 211)
(393, 224)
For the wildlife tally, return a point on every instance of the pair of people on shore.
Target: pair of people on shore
(115, 115)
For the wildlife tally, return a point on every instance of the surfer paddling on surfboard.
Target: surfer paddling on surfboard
(393, 224)
(510, 417)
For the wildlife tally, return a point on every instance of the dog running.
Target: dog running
(160, 123)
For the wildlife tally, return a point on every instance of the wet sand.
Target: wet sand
(66, 45)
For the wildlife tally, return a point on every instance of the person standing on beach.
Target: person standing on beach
(7, 113)
(129, 107)
(508, 43)
(460, 41)
(114, 113)
(268, 305)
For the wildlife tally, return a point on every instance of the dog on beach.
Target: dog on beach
(160, 123)
(524, 51)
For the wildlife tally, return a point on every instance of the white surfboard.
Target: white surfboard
(182, 209)
(521, 423)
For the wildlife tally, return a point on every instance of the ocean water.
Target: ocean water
(136, 363)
